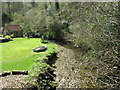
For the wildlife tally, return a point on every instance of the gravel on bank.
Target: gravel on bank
(14, 81)
(67, 71)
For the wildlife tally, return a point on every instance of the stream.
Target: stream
(77, 51)
(86, 69)
(72, 71)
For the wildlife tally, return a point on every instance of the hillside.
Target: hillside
(87, 31)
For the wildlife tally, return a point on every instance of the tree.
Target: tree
(8, 3)
(57, 5)
(6, 18)
(33, 3)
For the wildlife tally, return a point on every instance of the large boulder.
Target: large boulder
(40, 49)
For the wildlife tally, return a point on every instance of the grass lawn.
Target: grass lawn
(18, 54)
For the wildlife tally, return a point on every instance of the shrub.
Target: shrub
(1, 35)
(12, 35)
(97, 27)
(40, 70)
(8, 37)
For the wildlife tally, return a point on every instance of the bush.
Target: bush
(101, 63)
(8, 37)
(1, 35)
(12, 35)
(40, 70)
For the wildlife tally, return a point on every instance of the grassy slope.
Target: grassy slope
(18, 54)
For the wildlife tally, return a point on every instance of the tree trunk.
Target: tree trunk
(9, 7)
(57, 5)
(33, 3)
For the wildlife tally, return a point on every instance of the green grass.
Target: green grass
(18, 54)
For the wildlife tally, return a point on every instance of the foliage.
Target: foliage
(41, 23)
(8, 37)
(12, 35)
(6, 18)
(1, 35)
(40, 69)
(92, 26)
(97, 28)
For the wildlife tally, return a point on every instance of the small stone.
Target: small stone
(115, 67)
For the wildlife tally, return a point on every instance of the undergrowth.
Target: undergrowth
(40, 72)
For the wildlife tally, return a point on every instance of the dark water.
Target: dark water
(77, 51)
(86, 74)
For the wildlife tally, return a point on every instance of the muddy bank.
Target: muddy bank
(67, 71)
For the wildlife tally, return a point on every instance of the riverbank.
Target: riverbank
(14, 81)
(67, 71)
(39, 66)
